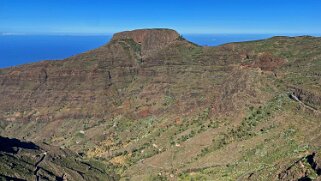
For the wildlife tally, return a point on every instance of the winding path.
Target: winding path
(37, 166)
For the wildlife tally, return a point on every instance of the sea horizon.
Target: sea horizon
(19, 49)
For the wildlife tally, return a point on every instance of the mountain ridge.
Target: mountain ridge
(173, 110)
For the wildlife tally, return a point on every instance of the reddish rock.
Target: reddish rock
(267, 61)
(149, 39)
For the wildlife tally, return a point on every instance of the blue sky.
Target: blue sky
(186, 16)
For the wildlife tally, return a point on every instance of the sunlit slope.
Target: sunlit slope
(157, 106)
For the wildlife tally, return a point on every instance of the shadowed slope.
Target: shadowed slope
(21, 160)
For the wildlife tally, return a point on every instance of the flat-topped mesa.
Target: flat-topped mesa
(149, 39)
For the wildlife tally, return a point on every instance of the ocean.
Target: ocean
(21, 49)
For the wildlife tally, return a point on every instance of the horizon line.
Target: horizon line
(112, 33)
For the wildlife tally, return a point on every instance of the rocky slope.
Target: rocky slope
(27, 161)
(157, 106)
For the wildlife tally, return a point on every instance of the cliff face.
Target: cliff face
(150, 40)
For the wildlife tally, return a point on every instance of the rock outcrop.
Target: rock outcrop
(150, 40)
(311, 98)
(303, 169)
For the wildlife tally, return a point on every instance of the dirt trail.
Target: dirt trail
(37, 168)
(292, 96)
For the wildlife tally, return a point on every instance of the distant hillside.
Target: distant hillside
(155, 106)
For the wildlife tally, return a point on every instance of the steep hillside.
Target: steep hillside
(157, 106)
(22, 160)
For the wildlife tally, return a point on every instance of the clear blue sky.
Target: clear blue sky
(186, 16)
